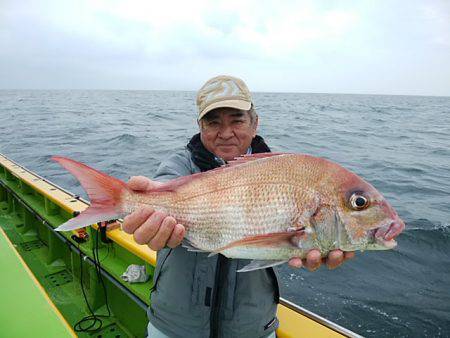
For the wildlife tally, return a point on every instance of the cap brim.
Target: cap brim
(236, 104)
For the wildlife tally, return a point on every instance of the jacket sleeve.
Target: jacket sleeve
(174, 166)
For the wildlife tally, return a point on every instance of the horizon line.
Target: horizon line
(185, 90)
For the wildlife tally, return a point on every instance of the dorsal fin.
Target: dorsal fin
(172, 185)
(251, 157)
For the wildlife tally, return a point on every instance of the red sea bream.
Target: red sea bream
(265, 207)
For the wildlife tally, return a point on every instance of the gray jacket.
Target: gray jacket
(186, 295)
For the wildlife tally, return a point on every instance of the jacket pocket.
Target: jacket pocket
(175, 290)
(202, 283)
(160, 260)
(255, 302)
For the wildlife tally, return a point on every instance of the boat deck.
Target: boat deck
(23, 298)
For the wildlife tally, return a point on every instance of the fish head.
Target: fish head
(365, 216)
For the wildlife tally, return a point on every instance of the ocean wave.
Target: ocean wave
(424, 225)
(125, 139)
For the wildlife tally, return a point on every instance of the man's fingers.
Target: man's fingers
(159, 241)
(177, 236)
(148, 230)
(135, 219)
(349, 255)
(313, 260)
(335, 258)
(139, 183)
(142, 183)
(295, 262)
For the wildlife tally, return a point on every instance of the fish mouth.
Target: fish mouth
(386, 244)
(391, 231)
(384, 235)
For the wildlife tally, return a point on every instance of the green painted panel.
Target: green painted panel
(57, 268)
(23, 299)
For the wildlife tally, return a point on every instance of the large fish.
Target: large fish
(265, 207)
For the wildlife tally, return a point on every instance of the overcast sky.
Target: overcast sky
(384, 47)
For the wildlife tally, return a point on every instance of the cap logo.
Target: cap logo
(217, 90)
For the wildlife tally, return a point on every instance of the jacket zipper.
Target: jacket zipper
(221, 269)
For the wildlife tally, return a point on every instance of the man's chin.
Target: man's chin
(228, 157)
(228, 154)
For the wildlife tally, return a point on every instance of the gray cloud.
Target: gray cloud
(382, 47)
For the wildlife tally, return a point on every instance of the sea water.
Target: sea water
(400, 144)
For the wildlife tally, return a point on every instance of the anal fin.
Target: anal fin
(190, 247)
(261, 264)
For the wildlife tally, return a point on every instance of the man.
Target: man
(195, 295)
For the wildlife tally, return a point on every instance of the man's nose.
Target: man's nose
(226, 132)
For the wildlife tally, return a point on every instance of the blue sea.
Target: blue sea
(401, 144)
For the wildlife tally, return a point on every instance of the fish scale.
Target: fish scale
(252, 199)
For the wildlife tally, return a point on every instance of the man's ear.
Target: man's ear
(255, 125)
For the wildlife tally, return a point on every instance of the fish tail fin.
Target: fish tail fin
(105, 193)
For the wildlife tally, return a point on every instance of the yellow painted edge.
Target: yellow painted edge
(294, 324)
(126, 241)
(42, 186)
(36, 282)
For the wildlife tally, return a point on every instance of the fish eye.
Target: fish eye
(358, 202)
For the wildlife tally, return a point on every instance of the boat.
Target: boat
(68, 284)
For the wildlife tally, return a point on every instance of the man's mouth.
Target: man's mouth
(226, 145)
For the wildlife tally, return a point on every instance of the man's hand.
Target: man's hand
(151, 227)
(313, 259)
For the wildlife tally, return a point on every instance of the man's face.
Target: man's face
(227, 132)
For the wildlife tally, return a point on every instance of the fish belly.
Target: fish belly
(216, 219)
(264, 253)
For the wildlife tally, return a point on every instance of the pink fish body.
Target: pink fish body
(265, 207)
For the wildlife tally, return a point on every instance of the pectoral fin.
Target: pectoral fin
(261, 264)
(271, 239)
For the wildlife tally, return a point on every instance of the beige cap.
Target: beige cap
(223, 91)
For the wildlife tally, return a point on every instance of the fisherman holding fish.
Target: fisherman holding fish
(196, 295)
(237, 210)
